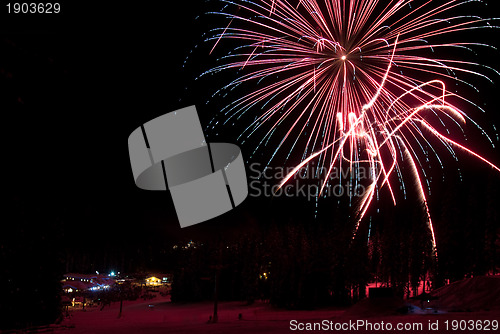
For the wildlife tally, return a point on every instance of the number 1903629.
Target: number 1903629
(471, 325)
(33, 8)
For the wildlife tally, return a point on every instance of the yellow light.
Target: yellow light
(343, 57)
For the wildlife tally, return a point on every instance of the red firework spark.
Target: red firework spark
(340, 84)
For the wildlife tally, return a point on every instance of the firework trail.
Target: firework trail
(343, 78)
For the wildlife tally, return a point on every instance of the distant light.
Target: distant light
(70, 290)
(112, 274)
(343, 57)
(97, 272)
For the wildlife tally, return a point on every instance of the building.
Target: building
(74, 282)
(153, 280)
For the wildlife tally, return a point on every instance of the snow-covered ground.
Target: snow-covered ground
(161, 316)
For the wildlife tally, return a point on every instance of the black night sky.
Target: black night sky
(73, 87)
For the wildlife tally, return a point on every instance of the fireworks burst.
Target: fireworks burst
(344, 78)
